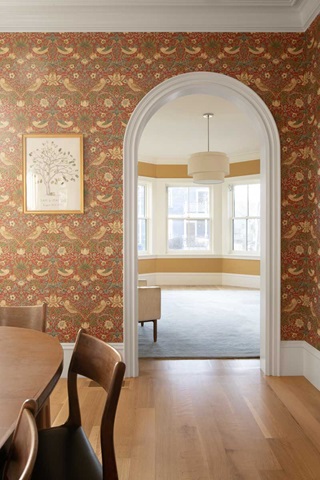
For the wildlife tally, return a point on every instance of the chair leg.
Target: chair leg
(142, 323)
(155, 330)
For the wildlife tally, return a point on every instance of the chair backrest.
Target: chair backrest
(24, 445)
(98, 361)
(26, 316)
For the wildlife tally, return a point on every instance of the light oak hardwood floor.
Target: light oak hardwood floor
(207, 420)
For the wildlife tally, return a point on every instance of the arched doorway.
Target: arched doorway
(251, 104)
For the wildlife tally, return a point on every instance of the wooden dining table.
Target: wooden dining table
(30, 365)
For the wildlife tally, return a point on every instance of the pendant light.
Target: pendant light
(208, 167)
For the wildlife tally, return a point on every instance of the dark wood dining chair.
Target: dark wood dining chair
(65, 452)
(24, 445)
(28, 316)
(25, 316)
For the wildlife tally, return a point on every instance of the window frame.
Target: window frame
(230, 188)
(209, 218)
(147, 216)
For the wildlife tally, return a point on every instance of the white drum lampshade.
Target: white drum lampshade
(208, 167)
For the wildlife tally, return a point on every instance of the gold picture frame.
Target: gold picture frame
(53, 174)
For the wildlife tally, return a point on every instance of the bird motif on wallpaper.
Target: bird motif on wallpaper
(100, 159)
(104, 273)
(295, 51)
(65, 50)
(5, 234)
(294, 271)
(104, 50)
(40, 124)
(104, 198)
(99, 86)
(40, 50)
(4, 159)
(293, 157)
(103, 124)
(100, 307)
(65, 272)
(65, 123)
(35, 86)
(5, 86)
(292, 305)
(232, 50)
(35, 234)
(256, 50)
(69, 86)
(96, 88)
(295, 198)
(99, 234)
(67, 305)
(293, 230)
(192, 51)
(134, 86)
(41, 272)
(167, 50)
(71, 235)
(129, 51)
(72, 309)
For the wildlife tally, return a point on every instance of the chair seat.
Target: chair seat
(65, 453)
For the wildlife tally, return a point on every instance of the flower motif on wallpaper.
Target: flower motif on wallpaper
(115, 227)
(116, 301)
(115, 153)
(53, 227)
(53, 301)
(53, 79)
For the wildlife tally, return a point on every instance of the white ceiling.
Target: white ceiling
(179, 129)
(157, 15)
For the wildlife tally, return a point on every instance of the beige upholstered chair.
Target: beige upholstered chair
(149, 310)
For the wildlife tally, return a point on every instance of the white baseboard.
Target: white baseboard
(297, 358)
(195, 279)
(300, 358)
(67, 354)
(239, 280)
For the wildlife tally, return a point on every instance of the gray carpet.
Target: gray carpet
(204, 323)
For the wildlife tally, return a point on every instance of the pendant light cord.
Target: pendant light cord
(208, 115)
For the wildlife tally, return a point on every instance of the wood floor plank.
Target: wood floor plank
(207, 420)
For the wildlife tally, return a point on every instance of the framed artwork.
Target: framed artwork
(53, 174)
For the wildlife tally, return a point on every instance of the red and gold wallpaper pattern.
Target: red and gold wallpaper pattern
(90, 83)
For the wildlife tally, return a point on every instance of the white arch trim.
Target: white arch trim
(250, 103)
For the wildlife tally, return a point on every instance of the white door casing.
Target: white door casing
(253, 106)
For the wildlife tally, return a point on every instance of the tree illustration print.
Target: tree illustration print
(53, 166)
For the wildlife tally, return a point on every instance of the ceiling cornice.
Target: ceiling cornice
(157, 15)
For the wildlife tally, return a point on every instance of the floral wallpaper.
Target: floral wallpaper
(90, 83)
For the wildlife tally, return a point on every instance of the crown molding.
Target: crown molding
(233, 158)
(154, 16)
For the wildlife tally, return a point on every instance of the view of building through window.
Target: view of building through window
(246, 218)
(188, 218)
(142, 218)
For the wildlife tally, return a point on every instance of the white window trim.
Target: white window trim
(226, 212)
(148, 184)
(188, 253)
